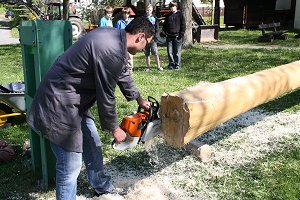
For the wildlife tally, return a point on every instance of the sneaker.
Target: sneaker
(147, 70)
(160, 68)
(130, 71)
(170, 67)
(177, 68)
(115, 191)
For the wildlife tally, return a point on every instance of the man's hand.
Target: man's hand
(143, 103)
(119, 135)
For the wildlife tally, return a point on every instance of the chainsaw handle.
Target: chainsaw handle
(153, 101)
(150, 112)
(154, 106)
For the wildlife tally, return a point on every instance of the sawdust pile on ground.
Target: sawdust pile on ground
(176, 175)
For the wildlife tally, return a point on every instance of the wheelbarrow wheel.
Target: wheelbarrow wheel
(5, 122)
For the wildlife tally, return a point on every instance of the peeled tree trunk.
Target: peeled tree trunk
(188, 114)
(186, 9)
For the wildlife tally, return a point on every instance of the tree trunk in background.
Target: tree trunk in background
(186, 9)
(217, 12)
(65, 9)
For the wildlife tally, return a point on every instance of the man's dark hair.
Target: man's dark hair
(141, 25)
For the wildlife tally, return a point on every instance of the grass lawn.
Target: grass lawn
(249, 37)
(2, 10)
(278, 178)
(266, 178)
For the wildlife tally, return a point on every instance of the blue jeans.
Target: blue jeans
(68, 164)
(174, 51)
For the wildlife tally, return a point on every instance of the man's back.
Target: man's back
(87, 71)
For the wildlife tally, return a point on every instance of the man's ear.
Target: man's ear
(140, 37)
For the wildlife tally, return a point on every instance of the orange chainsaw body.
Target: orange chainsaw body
(132, 123)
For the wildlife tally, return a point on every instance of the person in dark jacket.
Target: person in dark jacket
(174, 29)
(87, 72)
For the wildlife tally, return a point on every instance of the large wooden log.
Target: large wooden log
(189, 113)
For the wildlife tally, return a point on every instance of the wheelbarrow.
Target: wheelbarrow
(12, 102)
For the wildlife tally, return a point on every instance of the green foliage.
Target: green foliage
(15, 32)
(20, 12)
(207, 1)
(2, 9)
(113, 3)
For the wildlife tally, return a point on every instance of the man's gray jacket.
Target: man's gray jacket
(87, 72)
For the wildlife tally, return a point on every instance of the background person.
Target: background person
(121, 24)
(87, 72)
(152, 47)
(107, 19)
(174, 29)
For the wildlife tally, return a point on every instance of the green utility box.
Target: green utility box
(42, 41)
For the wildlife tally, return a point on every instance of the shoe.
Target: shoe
(147, 70)
(160, 68)
(177, 68)
(130, 70)
(114, 191)
(170, 67)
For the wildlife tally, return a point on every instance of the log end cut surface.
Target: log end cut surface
(174, 119)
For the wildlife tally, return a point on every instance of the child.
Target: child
(106, 20)
(152, 45)
(121, 24)
(125, 20)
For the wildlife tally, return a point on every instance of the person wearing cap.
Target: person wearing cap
(174, 29)
(106, 20)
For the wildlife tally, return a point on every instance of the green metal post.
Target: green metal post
(42, 42)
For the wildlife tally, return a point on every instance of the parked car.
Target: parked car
(9, 14)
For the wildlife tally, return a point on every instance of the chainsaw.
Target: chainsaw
(140, 127)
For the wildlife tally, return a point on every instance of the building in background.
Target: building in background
(206, 9)
(251, 13)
